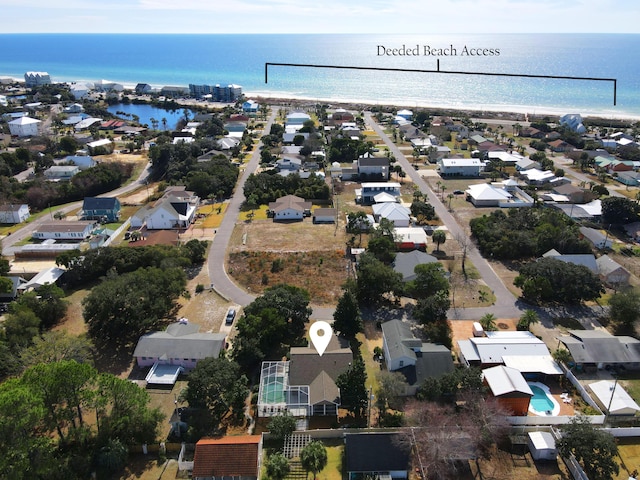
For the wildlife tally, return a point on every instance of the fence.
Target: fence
(120, 229)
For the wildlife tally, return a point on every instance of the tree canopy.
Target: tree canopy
(552, 280)
(619, 210)
(123, 307)
(267, 187)
(595, 449)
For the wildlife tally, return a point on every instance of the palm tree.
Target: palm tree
(439, 237)
(528, 318)
(164, 123)
(313, 457)
(488, 322)
(562, 355)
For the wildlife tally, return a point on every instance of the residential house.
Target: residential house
(340, 116)
(12, 294)
(505, 194)
(235, 129)
(633, 230)
(12, 213)
(383, 455)
(629, 178)
(410, 238)
(574, 122)
(289, 164)
(79, 90)
(177, 349)
(369, 190)
(410, 132)
(305, 385)
(533, 176)
(460, 167)
(405, 263)
(416, 360)
(373, 167)
(507, 159)
(59, 173)
(573, 193)
(83, 162)
(598, 349)
(396, 213)
(613, 399)
(101, 208)
(531, 132)
(560, 146)
(325, 215)
(585, 259)
(520, 350)
(294, 137)
(526, 163)
(290, 207)
(232, 457)
(228, 143)
(108, 86)
(175, 210)
(250, 107)
(63, 230)
(596, 237)
(104, 145)
(612, 273)
(24, 126)
(48, 276)
(297, 118)
(74, 108)
(405, 114)
(509, 387)
(35, 79)
(143, 89)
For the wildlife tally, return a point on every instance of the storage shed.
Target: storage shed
(542, 446)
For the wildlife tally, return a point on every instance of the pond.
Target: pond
(146, 112)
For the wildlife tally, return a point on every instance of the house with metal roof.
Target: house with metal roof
(520, 350)
(597, 349)
(13, 213)
(613, 399)
(175, 210)
(396, 213)
(405, 263)
(596, 237)
(64, 230)
(509, 386)
(611, 272)
(412, 357)
(179, 348)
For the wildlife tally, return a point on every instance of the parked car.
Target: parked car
(231, 314)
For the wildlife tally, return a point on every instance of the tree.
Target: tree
(112, 457)
(439, 236)
(353, 392)
(57, 345)
(430, 279)
(375, 279)
(391, 387)
(217, 385)
(47, 303)
(619, 210)
(313, 457)
(552, 280)
(277, 466)
(422, 210)
(433, 308)
(383, 248)
(528, 318)
(123, 307)
(281, 426)
(488, 322)
(21, 326)
(624, 309)
(347, 319)
(593, 448)
(562, 355)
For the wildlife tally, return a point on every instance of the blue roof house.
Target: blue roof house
(99, 208)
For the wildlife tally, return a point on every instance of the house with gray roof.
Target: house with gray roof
(416, 360)
(593, 349)
(175, 210)
(405, 263)
(179, 348)
(99, 208)
(585, 259)
(306, 384)
(612, 273)
(377, 455)
(289, 207)
(596, 237)
(14, 213)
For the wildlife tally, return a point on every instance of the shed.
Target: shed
(542, 446)
(613, 398)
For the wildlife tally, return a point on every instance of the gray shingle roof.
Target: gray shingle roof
(180, 341)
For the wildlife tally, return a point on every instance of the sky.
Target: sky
(326, 16)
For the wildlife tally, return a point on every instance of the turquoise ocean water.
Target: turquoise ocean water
(210, 59)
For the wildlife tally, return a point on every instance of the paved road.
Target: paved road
(506, 305)
(8, 242)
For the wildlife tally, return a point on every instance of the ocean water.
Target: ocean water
(210, 59)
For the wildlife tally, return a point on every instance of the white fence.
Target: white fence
(120, 229)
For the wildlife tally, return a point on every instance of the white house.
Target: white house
(373, 166)
(14, 213)
(58, 173)
(398, 214)
(369, 190)
(460, 167)
(83, 162)
(80, 90)
(24, 126)
(573, 121)
(64, 230)
(289, 207)
(613, 398)
(297, 118)
(404, 113)
(35, 79)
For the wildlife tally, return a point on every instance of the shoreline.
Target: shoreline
(515, 112)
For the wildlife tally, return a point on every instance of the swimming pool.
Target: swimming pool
(542, 403)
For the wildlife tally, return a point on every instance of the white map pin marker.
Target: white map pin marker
(320, 333)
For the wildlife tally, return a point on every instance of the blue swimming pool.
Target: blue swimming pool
(542, 403)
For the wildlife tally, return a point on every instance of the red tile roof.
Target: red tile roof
(227, 456)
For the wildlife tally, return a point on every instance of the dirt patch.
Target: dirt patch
(321, 273)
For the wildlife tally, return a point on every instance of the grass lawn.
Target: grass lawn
(214, 214)
(333, 470)
(629, 457)
(259, 214)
